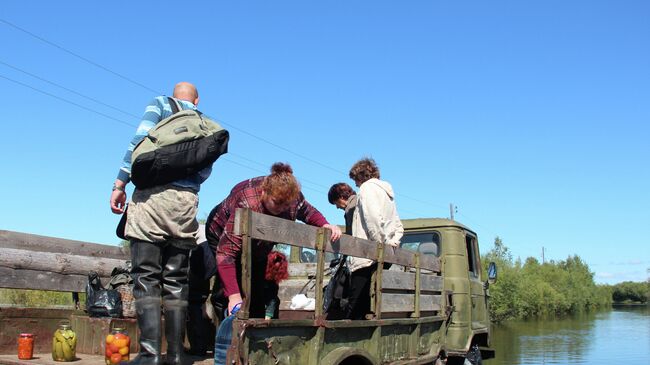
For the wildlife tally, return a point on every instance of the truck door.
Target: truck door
(477, 293)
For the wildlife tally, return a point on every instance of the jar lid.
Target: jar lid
(64, 326)
(118, 329)
(26, 335)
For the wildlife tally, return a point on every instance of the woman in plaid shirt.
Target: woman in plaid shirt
(277, 194)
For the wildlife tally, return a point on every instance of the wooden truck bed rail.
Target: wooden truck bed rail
(396, 291)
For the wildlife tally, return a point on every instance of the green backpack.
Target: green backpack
(177, 147)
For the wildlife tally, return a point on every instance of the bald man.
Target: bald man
(162, 228)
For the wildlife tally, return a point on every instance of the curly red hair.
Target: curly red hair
(281, 185)
(277, 267)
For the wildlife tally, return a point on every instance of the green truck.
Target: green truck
(430, 307)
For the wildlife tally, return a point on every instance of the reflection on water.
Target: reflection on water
(621, 335)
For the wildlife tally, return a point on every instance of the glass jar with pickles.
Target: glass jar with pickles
(64, 343)
(117, 346)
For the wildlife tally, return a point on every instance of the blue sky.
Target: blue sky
(531, 117)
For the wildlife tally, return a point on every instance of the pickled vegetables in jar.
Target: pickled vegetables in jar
(117, 343)
(64, 343)
(25, 346)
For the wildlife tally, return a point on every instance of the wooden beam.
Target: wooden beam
(32, 242)
(274, 229)
(431, 283)
(399, 280)
(246, 265)
(406, 303)
(42, 280)
(57, 262)
(320, 266)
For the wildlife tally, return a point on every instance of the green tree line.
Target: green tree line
(631, 292)
(530, 288)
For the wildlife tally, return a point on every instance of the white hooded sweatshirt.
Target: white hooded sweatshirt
(375, 218)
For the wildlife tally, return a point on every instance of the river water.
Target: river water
(617, 336)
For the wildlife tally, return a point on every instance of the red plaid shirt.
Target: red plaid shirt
(248, 194)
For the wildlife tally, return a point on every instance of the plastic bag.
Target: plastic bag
(337, 291)
(101, 302)
(300, 301)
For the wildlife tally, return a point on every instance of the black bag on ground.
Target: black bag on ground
(178, 146)
(101, 302)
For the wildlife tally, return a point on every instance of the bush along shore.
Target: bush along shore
(530, 288)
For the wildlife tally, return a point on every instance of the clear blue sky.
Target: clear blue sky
(530, 116)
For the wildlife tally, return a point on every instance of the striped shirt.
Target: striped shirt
(157, 110)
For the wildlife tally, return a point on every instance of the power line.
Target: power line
(157, 92)
(264, 173)
(79, 56)
(232, 126)
(266, 166)
(67, 101)
(68, 89)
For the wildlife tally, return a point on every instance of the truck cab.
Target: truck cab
(457, 248)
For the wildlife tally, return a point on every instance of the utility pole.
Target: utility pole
(543, 255)
(452, 209)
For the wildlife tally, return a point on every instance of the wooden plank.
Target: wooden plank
(353, 246)
(399, 256)
(430, 262)
(399, 280)
(274, 229)
(430, 303)
(301, 269)
(26, 241)
(57, 262)
(246, 265)
(42, 280)
(292, 287)
(431, 283)
(398, 302)
(320, 267)
(41, 322)
(406, 303)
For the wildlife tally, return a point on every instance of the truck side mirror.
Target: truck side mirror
(492, 273)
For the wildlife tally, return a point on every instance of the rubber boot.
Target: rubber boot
(175, 288)
(175, 316)
(146, 259)
(148, 313)
(198, 329)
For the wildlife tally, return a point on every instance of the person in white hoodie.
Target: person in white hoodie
(374, 219)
